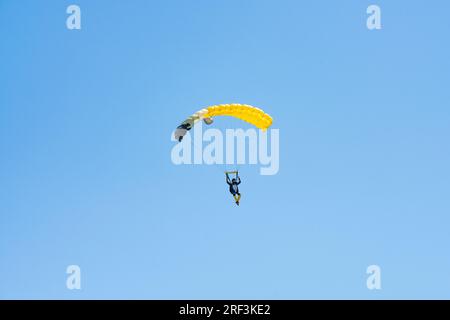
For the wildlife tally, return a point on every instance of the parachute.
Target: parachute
(250, 114)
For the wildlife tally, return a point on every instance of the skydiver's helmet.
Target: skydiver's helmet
(233, 180)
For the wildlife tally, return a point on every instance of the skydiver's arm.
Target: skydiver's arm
(238, 180)
(228, 179)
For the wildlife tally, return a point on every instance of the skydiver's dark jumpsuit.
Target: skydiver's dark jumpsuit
(234, 189)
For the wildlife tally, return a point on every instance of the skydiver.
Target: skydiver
(234, 189)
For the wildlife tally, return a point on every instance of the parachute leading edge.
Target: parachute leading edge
(250, 114)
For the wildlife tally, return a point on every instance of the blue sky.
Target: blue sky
(86, 176)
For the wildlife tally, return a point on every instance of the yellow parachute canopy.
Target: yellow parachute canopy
(250, 114)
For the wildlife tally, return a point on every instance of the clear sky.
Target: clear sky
(86, 176)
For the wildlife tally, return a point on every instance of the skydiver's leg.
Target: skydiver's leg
(238, 198)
